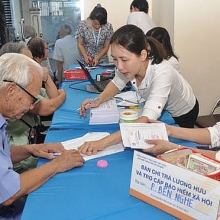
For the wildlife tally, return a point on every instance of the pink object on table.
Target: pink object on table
(102, 163)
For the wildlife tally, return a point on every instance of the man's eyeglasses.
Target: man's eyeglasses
(34, 98)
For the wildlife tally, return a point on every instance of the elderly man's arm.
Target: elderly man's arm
(31, 180)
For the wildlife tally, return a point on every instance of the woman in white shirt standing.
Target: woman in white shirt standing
(153, 79)
(139, 15)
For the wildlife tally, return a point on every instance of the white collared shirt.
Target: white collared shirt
(162, 88)
(141, 20)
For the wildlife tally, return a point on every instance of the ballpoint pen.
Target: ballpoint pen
(55, 154)
(89, 103)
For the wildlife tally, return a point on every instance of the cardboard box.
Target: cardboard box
(175, 190)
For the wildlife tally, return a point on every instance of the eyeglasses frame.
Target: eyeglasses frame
(33, 97)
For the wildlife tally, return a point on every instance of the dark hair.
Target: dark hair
(162, 35)
(100, 14)
(36, 46)
(133, 39)
(142, 5)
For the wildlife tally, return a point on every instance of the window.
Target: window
(56, 13)
(6, 27)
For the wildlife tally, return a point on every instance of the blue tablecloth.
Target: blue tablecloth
(89, 192)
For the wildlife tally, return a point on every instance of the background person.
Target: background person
(39, 49)
(14, 47)
(139, 15)
(65, 51)
(20, 83)
(93, 37)
(30, 32)
(153, 79)
(162, 35)
(53, 97)
(24, 131)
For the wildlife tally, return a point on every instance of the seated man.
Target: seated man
(21, 131)
(20, 83)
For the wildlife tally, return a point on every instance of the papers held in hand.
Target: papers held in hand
(135, 134)
(106, 113)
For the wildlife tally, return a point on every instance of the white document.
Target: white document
(92, 136)
(129, 98)
(106, 113)
(135, 134)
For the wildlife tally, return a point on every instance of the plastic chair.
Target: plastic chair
(209, 120)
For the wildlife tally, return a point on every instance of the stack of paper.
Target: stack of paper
(135, 134)
(106, 113)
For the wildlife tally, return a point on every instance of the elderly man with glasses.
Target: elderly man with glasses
(29, 129)
(20, 83)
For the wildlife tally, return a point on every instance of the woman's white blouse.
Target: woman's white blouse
(162, 88)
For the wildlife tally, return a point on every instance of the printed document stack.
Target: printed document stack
(106, 113)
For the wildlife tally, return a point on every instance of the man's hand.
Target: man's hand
(45, 150)
(67, 160)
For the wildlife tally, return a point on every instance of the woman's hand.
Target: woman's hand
(95, 61)
(90, 61)
(91, 147)
(87, 104)
(46, 74)
(160, 146)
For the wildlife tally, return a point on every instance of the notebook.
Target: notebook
(97, 86)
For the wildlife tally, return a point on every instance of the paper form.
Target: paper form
(135, 134)
(105, 113)
(92, 136)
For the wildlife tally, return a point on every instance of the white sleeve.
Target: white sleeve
(132, 19)
(57, 54)
(215, 135)
(119, 80)
(152, 109)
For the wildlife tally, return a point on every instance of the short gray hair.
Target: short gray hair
(66, 29)
(13, 47)
(17, 68)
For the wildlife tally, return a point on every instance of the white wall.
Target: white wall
(163, 15)
(118, 11)
(197, 42)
